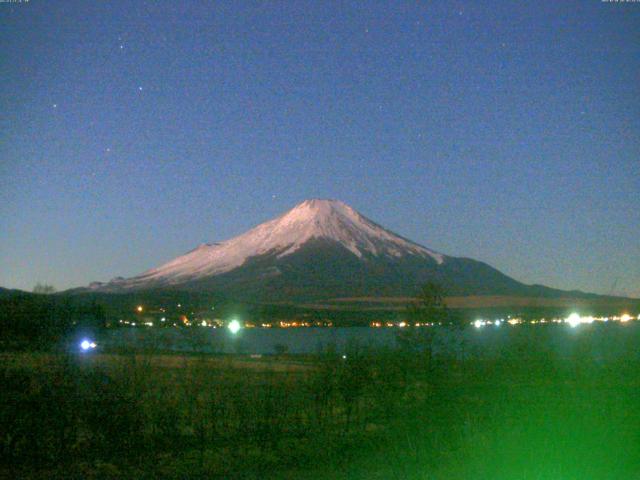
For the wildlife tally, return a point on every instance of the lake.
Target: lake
(602, 341)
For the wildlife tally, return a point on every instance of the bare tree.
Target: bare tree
(431, 306)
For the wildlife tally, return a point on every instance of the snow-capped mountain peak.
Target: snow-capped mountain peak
(337, 221)
(320, 219)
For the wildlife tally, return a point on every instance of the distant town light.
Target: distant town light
(478, 323)
(234, 326)
(139, 309)
(625, 317)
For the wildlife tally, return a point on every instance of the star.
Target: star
(55, 105)
(140, 88)
(121, 47)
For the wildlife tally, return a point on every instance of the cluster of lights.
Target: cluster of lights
(234, 326)
(572, 320)
(402, 324)
(215, 323)
(299, 324)
(207, 322)
(479, 323)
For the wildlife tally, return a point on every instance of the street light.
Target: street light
(234, 326)
(86, 345)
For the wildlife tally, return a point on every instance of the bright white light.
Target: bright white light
(497, 323)
(625, 318)
(234, 326)
(402, 324)
(478, 323)
(344, 357)
(574, 320)
(86, 345)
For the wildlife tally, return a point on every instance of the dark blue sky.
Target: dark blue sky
(508, 132)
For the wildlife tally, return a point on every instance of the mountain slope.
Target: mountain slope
(321, 249)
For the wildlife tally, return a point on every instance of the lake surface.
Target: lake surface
(602, 341)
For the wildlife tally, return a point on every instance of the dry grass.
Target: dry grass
(484, 301)
(213, 362)
(525, 413)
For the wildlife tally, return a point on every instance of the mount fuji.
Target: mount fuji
(320, 249)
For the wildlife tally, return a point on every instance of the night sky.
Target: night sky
(508, 132)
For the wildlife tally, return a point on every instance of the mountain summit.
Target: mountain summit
(329, 220)
(318, 249)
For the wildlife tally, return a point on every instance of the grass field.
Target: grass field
(387, 414)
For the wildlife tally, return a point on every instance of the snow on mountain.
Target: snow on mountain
(312, 219)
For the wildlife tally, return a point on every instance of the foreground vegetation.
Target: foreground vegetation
(524, 413)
